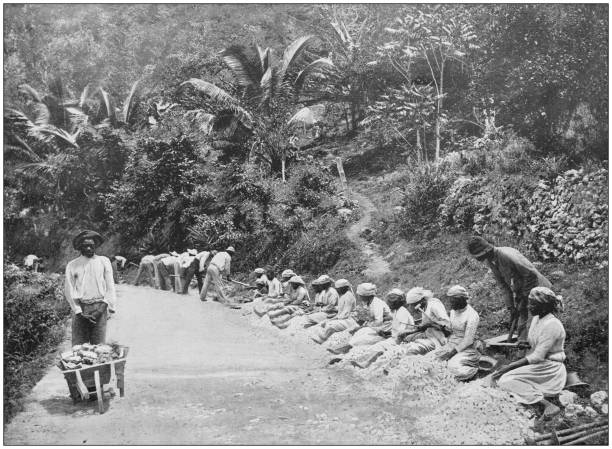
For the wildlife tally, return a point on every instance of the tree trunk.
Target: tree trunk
(284, 157)
(418, 146)
(440, 93)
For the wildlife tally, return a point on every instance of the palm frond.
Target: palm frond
(21, 151)
(316, 66)
(16, 115)
(85, 95)
(110, 106)
(78, 118)
(53, 164)
(221, 97)
(268, 85)
(202, 119)
(246, 69)
(130, 103)
(50, 132)
(308, 115)
(31, 92)
(43, 114)
(291, 54)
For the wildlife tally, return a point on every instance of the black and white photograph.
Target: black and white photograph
(315, 224)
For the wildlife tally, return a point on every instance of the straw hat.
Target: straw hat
(287, 274)
(260, 271)
(487, 363)
(573, 381)
(230, 249)
(321, 280)
(297, 280)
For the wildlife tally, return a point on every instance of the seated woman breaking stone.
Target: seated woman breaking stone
(326, 301)
(285, 276)
(434, 327)
(541, 373)
(298, 301)
(402, 322)
(343, 320)
(378, 324)
(459, 349)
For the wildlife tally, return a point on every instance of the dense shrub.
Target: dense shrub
(319, 248)
(426, 187)
(34, 316)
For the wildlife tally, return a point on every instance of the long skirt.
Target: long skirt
(365, 336)
(464, 364)
(330, 327)
(424, 342)
(266, 305)
(531, 383)
(280, 317)
(316, 318)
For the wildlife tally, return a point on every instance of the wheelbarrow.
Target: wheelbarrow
(88, 380)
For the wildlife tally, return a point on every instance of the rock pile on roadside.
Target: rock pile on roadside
(569, 218)
(562, 220)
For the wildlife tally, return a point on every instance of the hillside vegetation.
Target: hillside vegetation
(167, 127)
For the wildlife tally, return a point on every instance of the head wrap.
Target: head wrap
(296, 280)
(415, 294)
(321, 280)
(260, 271)
(174, 253)
(192, 252)
(342, 283)
(477, 246)
(366, 289)
(287, 274)
(230, 249)
(545, 295)
(395, 298)
(396, 293)
(87, 234)
(458, 292)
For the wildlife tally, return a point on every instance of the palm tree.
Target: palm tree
(262, 87)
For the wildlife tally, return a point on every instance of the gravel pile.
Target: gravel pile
(450, 412)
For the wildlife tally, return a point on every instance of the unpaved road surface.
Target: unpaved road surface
(376, 265)
(198, 373)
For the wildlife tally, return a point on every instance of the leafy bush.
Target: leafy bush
(319, 248)
(426, 187)
(34, 316)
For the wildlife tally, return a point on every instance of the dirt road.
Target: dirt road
(198, 373)
(376, 265)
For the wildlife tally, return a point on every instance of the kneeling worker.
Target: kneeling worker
(459, 350)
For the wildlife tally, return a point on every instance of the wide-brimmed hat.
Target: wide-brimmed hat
(287, 274)
(487, 363)
(297, 280)
(87, 234)
(342, 283)
(415, 294)
(573, 381)
(260, 271)
(477, 246)
(230, 249)
(366, 289)
(321, 280)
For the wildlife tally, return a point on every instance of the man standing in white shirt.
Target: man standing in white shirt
(219, 266)
(90, 290)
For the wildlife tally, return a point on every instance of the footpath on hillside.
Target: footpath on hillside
(196, 374)
(376, 266)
